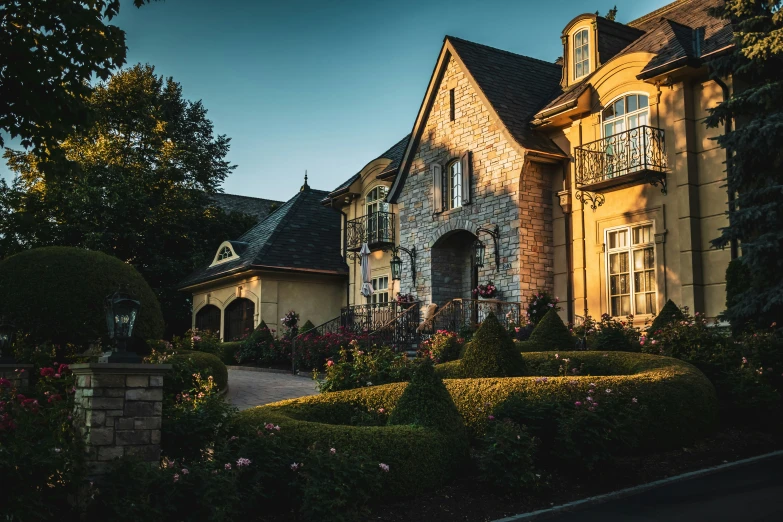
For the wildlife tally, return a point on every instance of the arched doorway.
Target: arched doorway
(238, 320)
(453, 273)
(208, 318)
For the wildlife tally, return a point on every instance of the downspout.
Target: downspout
(584, 240)
(569, 246)
(345, 252)
(726, 94)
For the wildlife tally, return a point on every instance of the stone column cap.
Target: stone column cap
(119, 368)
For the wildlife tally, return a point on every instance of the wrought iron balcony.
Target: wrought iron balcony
(623, 159)
(376, 229)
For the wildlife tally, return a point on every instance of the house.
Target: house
(287, 258)
(592, 177)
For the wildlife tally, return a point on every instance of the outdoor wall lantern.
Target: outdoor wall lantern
(396, 263)
(6, 341)
(121, 313)
(479, 249)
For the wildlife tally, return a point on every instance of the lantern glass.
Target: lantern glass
(121, 314)
(478, 253)
(396, 268)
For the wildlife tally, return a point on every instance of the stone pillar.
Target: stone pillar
(118, 411)
(18, 374)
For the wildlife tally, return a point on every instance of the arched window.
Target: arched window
(238, 321)
(377, 215)
(454, 185)
(224, 253)
(208, 318)
(627, 149)
(626, 113)
(581, 53)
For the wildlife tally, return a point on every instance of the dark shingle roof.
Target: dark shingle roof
(256, 207)
(394, 153)
(516, 86)
(300, 235)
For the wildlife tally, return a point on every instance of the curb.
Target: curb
(542, 514)
(269, 370)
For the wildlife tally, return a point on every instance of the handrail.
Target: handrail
(404, 325)
(332, 325)
(459, 312)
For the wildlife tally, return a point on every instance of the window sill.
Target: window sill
(448, 212)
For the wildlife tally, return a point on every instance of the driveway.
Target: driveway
(748, 493)
(247, 388)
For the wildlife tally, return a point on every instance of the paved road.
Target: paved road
(247, 389)
(751, 493)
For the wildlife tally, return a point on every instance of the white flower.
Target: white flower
(333, 451)
(384, 467)
(608, 390)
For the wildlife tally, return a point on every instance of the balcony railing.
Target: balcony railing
(622, 159)
(376, 229)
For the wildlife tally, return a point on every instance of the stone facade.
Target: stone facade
(118, 411)
(505, 191)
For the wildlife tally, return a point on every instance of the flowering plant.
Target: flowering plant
(405, 298)
(539, 304)
(290, 320)
(443, 346)
(356, 368)
(487, 291)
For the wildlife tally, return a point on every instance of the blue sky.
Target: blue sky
(326, 85)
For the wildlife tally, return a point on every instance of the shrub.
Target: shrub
(198, 340)
(551, 334)
(612, 334)
(185, 364)
(229, 352)
(356, 368)
(539, 305)
(306, 327)
(491, 353)
(313, 350)
(444, 346)
(505, 456)
(262, 347)
(68, 287)
(669, 313)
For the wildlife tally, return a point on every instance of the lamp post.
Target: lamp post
(121, 313)
(396, 263)
(6, 341)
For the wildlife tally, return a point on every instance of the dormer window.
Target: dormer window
(225, 253)
(581, 53)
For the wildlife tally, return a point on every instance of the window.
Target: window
(454, 185)
(452, 112)
(626, 151)
(225, 253)
(378, 220)
(376, 200)
(581, 53)
(380, 286)
(631, 270)
(208, 318)
(629, 112)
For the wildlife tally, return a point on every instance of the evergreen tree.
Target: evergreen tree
(755, 164)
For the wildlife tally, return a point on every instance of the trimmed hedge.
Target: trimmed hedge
(187, 362)
(67, 286)
(491, 352)
(551, 334)
(228, 351)
(670, 312)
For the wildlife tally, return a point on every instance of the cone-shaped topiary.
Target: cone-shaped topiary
(551, 334)
(426, 402)
(670, 312)
(306, 327)
(491, 353)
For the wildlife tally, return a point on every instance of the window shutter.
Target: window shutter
(467, 176)
(437, 188)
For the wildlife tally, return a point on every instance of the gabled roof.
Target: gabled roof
(257, 207)
(513, 86)
(394, 153)
(302, 235)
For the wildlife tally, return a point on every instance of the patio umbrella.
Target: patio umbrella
(366, 276)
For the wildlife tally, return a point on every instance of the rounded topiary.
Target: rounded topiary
(186, 362)
(426, 402)
(491, 352)
(669, 313)
(550, 334)
(57, 294)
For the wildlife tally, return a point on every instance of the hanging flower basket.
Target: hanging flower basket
(485, 292)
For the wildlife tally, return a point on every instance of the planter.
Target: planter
(482, 298)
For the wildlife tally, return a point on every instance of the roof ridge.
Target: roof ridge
(517, 55)
(244, 196)
(658, 12)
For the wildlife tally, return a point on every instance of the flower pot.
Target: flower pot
(482, 298)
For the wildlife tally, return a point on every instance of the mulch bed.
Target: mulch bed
(465, 500)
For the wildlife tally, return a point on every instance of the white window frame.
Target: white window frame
(453, 201)
(223, 246)
(376, 292)
(585, 46)
(630, 248)
(625, 116)
(382, 205)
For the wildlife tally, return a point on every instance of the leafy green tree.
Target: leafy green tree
(755, 163)
(51, 50)
(135, 184)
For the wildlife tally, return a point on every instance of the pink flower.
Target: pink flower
(47, 372)
(242, 462)
(227, 467)
(176, 477)
(578, 403)
(491, 417)
(557, 356)
(233, 438)
(381, 410)
(333, 451)
(330, 363)
(185, 471)
(384, 467)
(634, 400)
(4, 383)
(294, 466)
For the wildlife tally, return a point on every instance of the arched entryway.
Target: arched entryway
(208, 318)
(238, 320)
(453, 273)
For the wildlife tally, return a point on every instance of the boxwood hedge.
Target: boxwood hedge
(674, 404)
(187, 362)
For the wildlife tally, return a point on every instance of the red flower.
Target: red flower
(47, 372)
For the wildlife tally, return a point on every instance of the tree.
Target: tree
(754, 169)
(136, 184)
(50, 50)
(611, 14)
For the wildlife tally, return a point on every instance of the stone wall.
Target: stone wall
(118, 411)
(500, 196)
